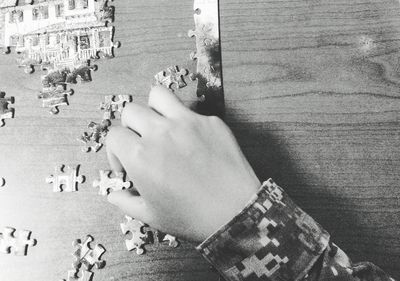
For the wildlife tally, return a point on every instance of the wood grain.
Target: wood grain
(312, 93)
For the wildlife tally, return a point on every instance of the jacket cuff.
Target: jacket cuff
(271, 239)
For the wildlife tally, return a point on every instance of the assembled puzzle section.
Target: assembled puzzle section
(65, 178)
(208, 57)
(55, 82)
(58, 32)
(58, 36)
(6, 112)
(54, 97)
(15, 243)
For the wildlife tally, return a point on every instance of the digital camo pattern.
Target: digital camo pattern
(271, 239)
(335, 265)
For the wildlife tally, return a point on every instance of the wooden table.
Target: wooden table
(312, 93)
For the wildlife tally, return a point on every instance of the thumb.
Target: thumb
(131, 204)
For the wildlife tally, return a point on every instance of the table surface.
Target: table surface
(312, 93)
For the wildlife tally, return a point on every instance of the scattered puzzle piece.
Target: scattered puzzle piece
(172, 241)
(5, 111)
(107, 184)
(113, 104)
(73, 276)
(143, 235)
(95, 138)
(86, 256)
(18, 245)
(172, 76)
(158, 237)
(65, 179)
(139, 237)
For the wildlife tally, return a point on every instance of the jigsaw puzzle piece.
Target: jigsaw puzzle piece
(172, 241)
(203, 39)
(107, 183)
(106, 12)
(139, 237)
(65, 178)
(113, 104)
(86, 256)
(173, 76)
(6, 112)
(158, 237)
(28, 64)
(54, 78)
(95, 137)
(73, 276)
(53, 97)
(18, 245)
(82, 73)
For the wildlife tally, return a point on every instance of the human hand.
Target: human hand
(188, 169)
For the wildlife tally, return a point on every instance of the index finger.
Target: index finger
(167, 103)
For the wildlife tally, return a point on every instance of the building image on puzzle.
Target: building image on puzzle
(60, 32)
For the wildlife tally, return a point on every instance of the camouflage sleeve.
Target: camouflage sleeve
(272, 239)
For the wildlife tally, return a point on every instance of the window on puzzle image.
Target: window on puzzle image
(14, 40)
(12, 17)
(16, 16)
(35, 41)
(59, 10)
(104, 39)
(20, 16)
(44, 12)
(85, 4)
(71, 4)
(74, 42)
(84, 42)
(35, 13)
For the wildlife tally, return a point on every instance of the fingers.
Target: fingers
(122, 146)
(130, 204)
(139, 118)
(166, 103)
(115, 164)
